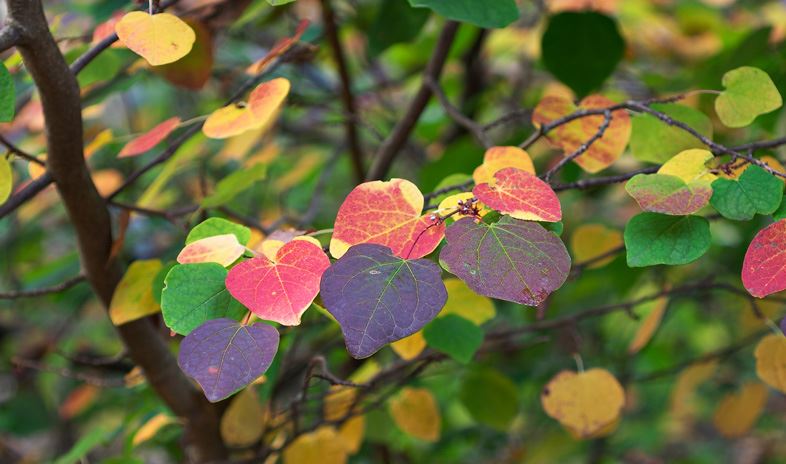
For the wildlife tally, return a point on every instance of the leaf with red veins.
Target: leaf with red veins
(764, 267)
(389, 214)
(280, 290)
(521, 195)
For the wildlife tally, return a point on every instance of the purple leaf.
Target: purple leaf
(510, 260)
(224, 356)
(379, 298)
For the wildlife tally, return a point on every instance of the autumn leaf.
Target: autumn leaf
(584, 402)
(389, 214)
(224, 356)
(160, 39)
(408, 348)
(281, 289)
(149, 139)
(221, 249)
(462, 301)
(521, 195)
(415, 412)
(591, 241)
(320, 446)
(6, 179)
(764, 266)
(498, 158)
(369, 277)
(570, 136)
(133, 297)
(771, 361)
(737, 412)
(243, 422)
(263, 105)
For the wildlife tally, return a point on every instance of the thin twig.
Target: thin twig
(65, 285)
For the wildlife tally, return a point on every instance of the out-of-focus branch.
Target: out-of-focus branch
(65, 285)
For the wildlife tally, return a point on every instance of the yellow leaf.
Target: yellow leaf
(585, 402)
(365, 372)
(602, 432)
(222, 249)
(689, 165)
(649, 324)
(590, 241)
(449, 204)
(739, 168)
(408, 348)
(263, 104)
(160, 39)
(322, 446)
(297, 173)
(150, 428)
(771, 361)
(133, 297)
(99, 141)
(36, 170)
(6, 179)
(351, 433)
(338, 401)
(107, 180)
(244, 420)
(682, 403)
(737, 412)
(465, 303)
(415, 412)
(497, 158)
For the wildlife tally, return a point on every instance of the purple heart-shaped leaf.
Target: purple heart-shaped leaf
(379, 298)
(224, 356)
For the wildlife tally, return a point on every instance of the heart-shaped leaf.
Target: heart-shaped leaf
(569, 137)
(652, 238)
(764, 267)
(455, 336)
(379, 298)
(510, 260)
(221, 249)
(195, 293)
(389, 214)
(662, 193)
(521, 195)
(160, 39)
(749, 93)
(755, 192)
(263, 104)
(224, 356)
(497, 158)
(282, 289)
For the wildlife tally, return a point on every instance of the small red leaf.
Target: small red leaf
(149, 139)
(764, 267)
(521, 195)
(280, 290)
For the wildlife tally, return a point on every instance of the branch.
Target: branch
(19, 152)
(10, 36)
(22, 196)
(458, 117)
(42, 291)
(103, 382)
(331, 31)
(395, 142)
(582, 148)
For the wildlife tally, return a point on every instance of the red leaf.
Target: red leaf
(764, 267)
(280, 290)
(149, 139)
(521, 195)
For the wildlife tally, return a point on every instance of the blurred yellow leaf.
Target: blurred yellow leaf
(159, 39)
(408, 348)
(133, 297)
(338, 401)
(738, 412)
(6, 179)
(351, 433)
(682, 403)
(415, 412)
(244, 420)
(771, 361)
(465, 303)
(649, 324)
(365, 372)
(585, 402)
(150, 428)
(98, 142)
(590, 241)
(322, 446)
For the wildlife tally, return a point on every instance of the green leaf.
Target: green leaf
(490, 397)
(756, 191)
(655, 141)
(487, 14)
(581, 49)
(652, 238)
(158, 280)
(6, 179)
(749, 93)
(218, 226)
(7, 95)
(232, 185)
(196, 293)
(409, 22)
(279, 2)
(454, 336)
(91, 440)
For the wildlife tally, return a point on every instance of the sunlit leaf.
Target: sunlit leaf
(665, 194)
(133, 297)
(282, 289)
(521, 195)
(689, 165)
(160, 39)
(194, 69)
(379, 298)
(749, 92)
(649, 324)
(320, 446)
(224, 356)
(389, 214)
(151, 427)
(416, 413)
(584, 402)
(263, 104)
(510, 260)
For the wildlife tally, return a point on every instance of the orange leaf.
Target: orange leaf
(389, 214)
(498, 158)
(569, 137)
(262, 106)
(149, 139)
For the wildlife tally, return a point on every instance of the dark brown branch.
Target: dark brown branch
(22, 196)
(10, 35)
(19, 152)
(65, 285)
(584, 184)
(103, 382)
(60, 98)
(347, 98)
(398, 138)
